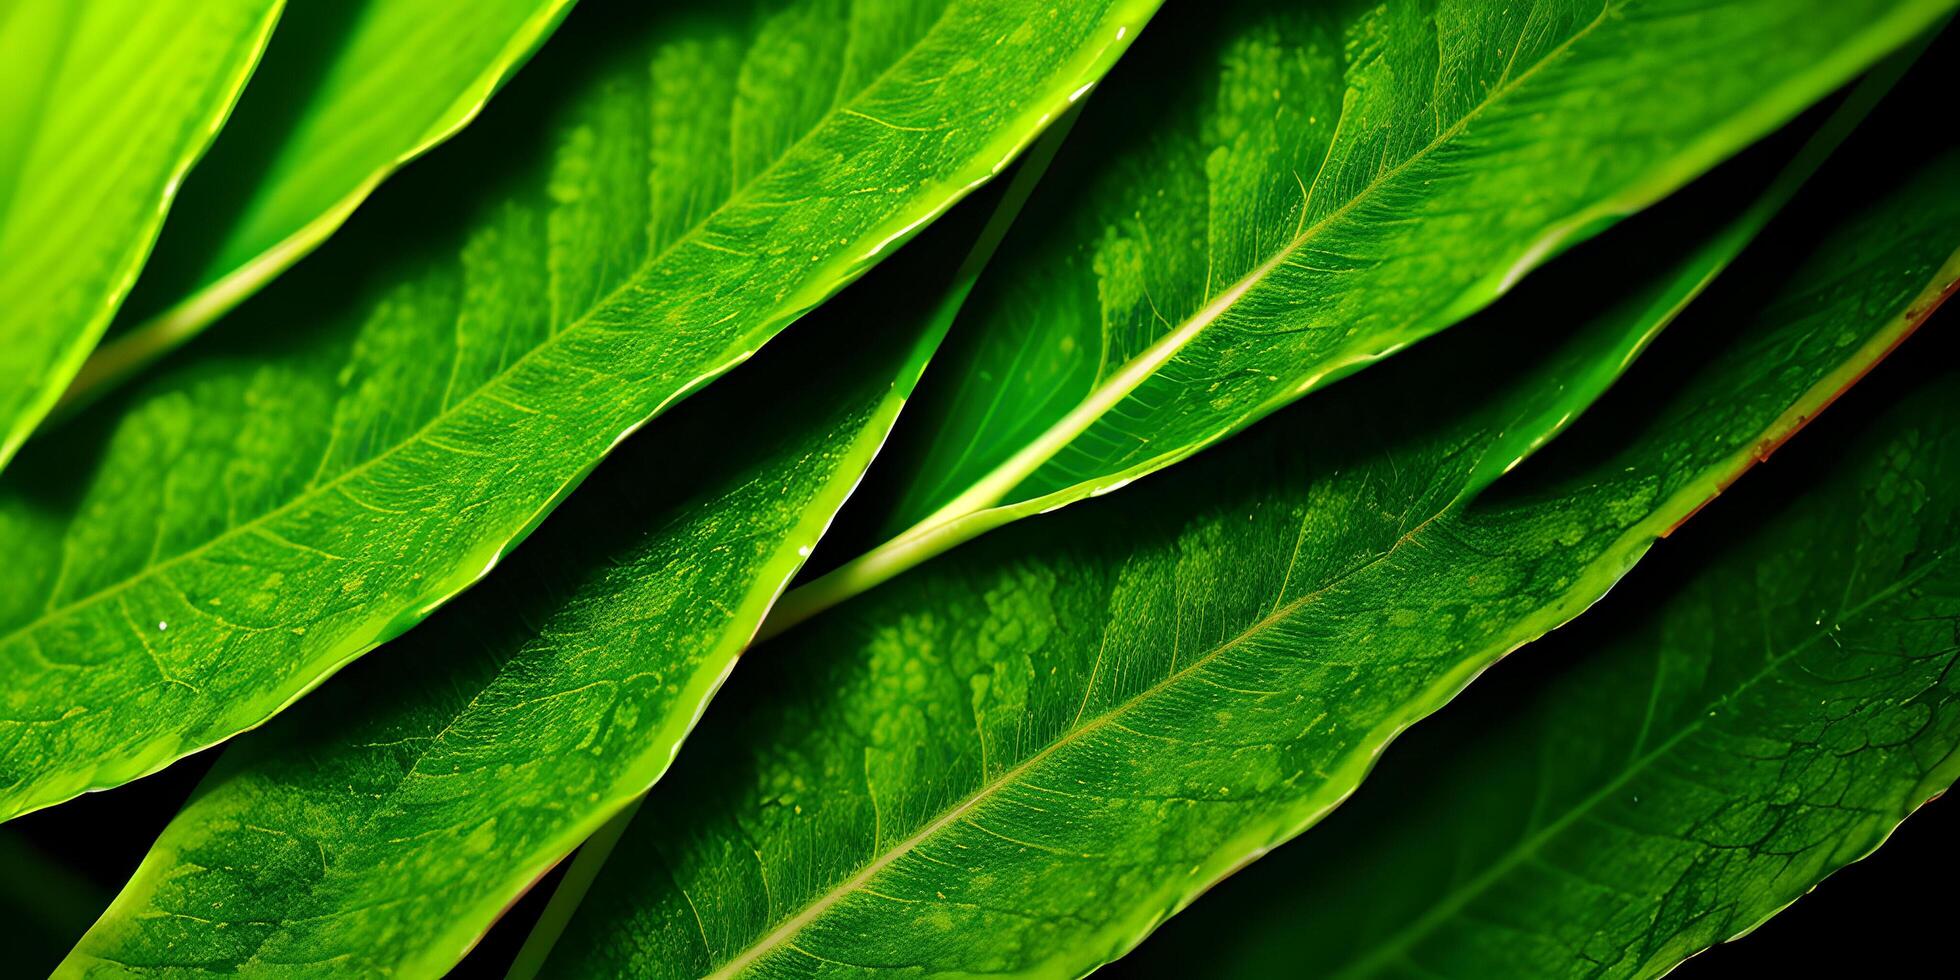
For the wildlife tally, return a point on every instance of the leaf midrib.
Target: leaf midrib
(994, 487)
(780, 936)
(1400, 942)
(639, 275)
(933, 534)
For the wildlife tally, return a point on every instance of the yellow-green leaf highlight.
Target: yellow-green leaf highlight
(348, 92)
(104, 104)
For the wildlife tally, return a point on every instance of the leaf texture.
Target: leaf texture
(348, 92)
(656, 196)
(1766, 706)
(1331, 183)
(104, 104)
(383, 824)
(1020, 759)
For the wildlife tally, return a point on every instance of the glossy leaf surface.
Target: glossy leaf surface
(1326, 184)
(1761, 704)
(381, 825)
(104, 105)
(662, 190)
(1019, 759)
(349, 91)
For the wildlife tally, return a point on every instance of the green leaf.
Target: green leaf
(1759, 705)
(384, 823)
(1018, 760)
(657, 195)
(103, 106)
(1331, 182)
(348, 92)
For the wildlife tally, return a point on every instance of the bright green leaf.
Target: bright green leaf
(658, 194)
(348, 92)
(1019, 759)
(384, 823)
(1329, 182)
(1772, 698)
(104, 104)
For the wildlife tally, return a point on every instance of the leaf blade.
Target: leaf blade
(77, 217)
(348, 95)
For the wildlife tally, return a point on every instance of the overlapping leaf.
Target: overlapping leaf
(1319, 186)
(349, 91)
(104, 104)
(660, 192)
(1763, 709)
(1020, 759)
(382, 825)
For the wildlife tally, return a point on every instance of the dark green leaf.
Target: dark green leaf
(104, 104)
(1020, 759)
(1747, 714)
(664, 189)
